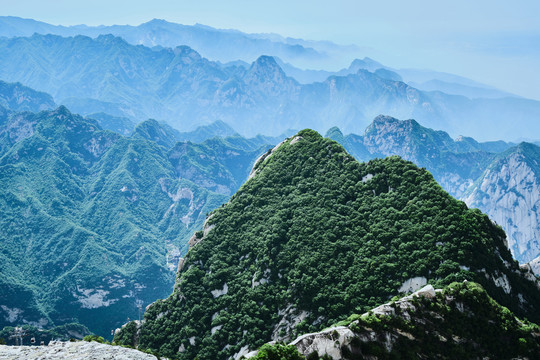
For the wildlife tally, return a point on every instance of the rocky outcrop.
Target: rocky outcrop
(337, 341)
(80, 350)
(535, 266)
(427, 324)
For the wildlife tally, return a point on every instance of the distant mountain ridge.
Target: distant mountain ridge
(183, 88)
(228, 45)
(217, 44)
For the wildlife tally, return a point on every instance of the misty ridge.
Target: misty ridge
(174, 81)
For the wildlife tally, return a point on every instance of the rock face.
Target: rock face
(509, 192)
(80, 350)
(445, 324)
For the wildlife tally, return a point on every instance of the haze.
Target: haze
(493, 42)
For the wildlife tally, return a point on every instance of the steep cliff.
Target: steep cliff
(508, 191)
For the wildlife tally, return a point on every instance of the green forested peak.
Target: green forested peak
(314, 235)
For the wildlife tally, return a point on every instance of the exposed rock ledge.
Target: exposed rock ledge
(80, 350)
(332, 340)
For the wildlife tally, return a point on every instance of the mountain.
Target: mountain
(420, 79)
(204, 132)
(455, 164)
(227, 45)
(218, 44)
(18, 97)
(459, 321)
(472, 171)
(93, 222)
(215, 164)
(509, 192)
(121, 125)
(159, 133)
(313, 236)
(186, 90)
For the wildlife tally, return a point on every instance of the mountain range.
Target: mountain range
(223, 45)
(183, 173)
(94, 222)
(197, 172)
(236, 47)
(183, 88)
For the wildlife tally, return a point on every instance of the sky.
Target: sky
(491, 41)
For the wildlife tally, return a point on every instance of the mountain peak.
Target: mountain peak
(365, 63)
(269, 79)
(111, 39)
(335, 134)
(61, 111)
(160, 133)
(266, 65)
(185, 51)
(156, 21)
(270, 255)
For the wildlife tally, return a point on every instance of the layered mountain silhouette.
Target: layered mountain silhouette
(217, 44)
(233, 46)
(179, 86)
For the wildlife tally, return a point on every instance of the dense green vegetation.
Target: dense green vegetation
(278, 352)
(62, 332)
(94, 222)
(497, 177)
(463, 322)
(128, 336)
(315, 235)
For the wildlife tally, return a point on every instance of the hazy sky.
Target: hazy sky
(493, 41)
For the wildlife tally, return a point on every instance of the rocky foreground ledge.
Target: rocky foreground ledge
(460, 321)
(80, 350)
